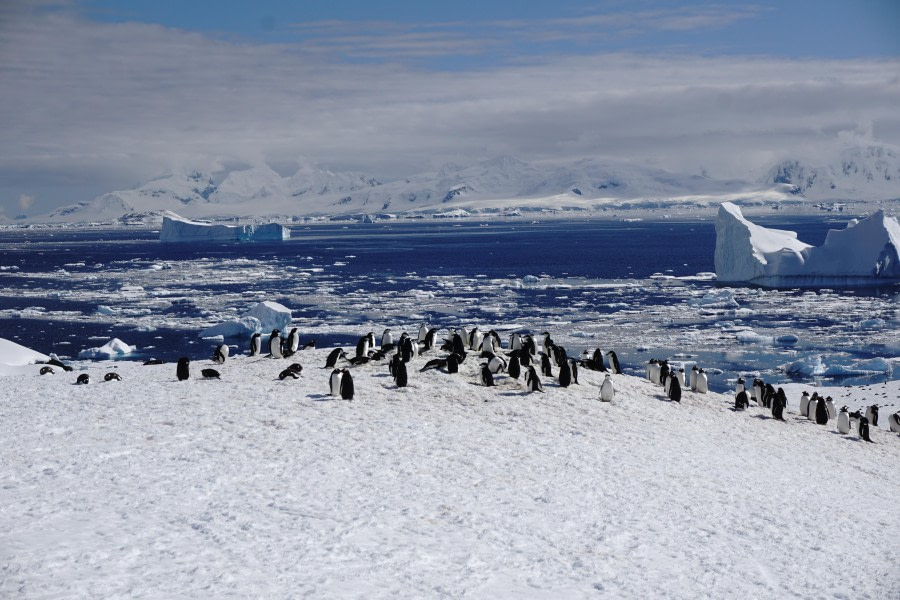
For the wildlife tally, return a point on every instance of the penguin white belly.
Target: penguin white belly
(894, 420)
(843, 423)
(804, 404)
(829, 406)
(693, 381)
(702, 383)
(607, 392)
(680, 376)
(654, 374)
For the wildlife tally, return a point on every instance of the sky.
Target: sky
(98, 95)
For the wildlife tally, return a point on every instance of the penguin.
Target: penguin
(894, 422)
(428, 344)
(667, 385)
(759, 390)
(864, 429)
(674, 390)
(55, 362)
(739, 386)
(768, 395)
(804, 403)
(607, 391)
(548, 341)
(288, 373)
(209, 373)
(335, 382)
(693, 378)
(47, 371)
(532, 381)
(387, 339)
(423, 332)
(333, 357)
(829, 406)
(872, 415)
(295, 368)
(573, 367)
(664, 371)
(565, 374)
(702, 382)
(275, 344)
(255, 344)
(347, 390)
(486, 377)
(843, 421)
(488, 344)
(821, 412)
(362, 347)
(546, 369)
(458, 346)
(515, 341)
(475, 339)
(597, 357)
(293, 340)
(514, 369)
(854, 418)
(777, 402)
(154, 361)
(529, 346)
(680, 375)
(741, 400)
(220, 354)
(111, 376)
(559, 355)
(310, 345)
(400, 376)
(183, 369)
(614, 367)
(407, 348)
(453, 363)
(497, 365)
(652, 369)
(812, 406)
(83, 379)
(393, 364)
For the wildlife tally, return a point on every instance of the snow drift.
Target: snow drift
(866, 252)
(178, 229)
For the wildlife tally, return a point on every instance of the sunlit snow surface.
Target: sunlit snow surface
(581, 282)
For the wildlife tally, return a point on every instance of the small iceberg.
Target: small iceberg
(180, 230)
(114, 348)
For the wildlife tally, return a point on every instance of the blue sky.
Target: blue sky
(100, 95)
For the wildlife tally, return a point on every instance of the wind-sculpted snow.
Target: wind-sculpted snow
(251, 486)
(865, 252)
(177, 229)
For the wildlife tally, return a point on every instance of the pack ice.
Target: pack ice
(866, 252)
(179, 229)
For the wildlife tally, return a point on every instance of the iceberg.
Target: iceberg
(178, 229)
(113, 348)
(262, 317)
(865, 253)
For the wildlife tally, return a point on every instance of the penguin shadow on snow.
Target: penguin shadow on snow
(321, 397)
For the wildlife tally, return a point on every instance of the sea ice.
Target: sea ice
(111, 349)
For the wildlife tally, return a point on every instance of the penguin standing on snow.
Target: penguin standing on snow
(674, 390)
(843, 421)
(778, 401)
(613, 358)
(664, 372)
(607, 391)
(346, 385)
(829, 406)
(453, 363)
(183, 369)
(894, 421)
(565, 374)
(821, 412)
(486, 377)
(335, 382)
(740, 386)
(693, 378)
(514, 369)
(546, 369)
(387, 339)
(497, 364)
(804, 403)
(255, 344)
(854, 418)
(532, 381)
(220, 354)
(864, 429)
(872, 415)
(702, 382)
(275, 344)
(333, 357)
(293, 340)
(400, 376)
(573, 367)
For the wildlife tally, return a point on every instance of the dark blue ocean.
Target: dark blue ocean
(52, 281)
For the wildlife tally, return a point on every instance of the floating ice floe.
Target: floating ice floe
(866, 252)
(105, 310)
(111, 349)
(716, 299)
(814, 366)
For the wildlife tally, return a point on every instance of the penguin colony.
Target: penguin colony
(518, 362)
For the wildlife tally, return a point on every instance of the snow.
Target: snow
(16, 355)
(111, 349)
(865, 252)
(250, 486)
(178, 229)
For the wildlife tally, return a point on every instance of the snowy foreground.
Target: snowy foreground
(250, 486)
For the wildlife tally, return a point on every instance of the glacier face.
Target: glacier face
(866, 252)
(177, 229)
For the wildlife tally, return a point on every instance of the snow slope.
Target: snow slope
(253, 486)
(866, 251)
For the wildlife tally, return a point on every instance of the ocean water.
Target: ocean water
(639, 288)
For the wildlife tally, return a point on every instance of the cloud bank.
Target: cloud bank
(107, 105)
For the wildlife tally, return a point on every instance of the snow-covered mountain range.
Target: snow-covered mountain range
(504, 185)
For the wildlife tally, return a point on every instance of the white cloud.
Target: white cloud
(84, 101)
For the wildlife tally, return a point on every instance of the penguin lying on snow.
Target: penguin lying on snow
(83, 379)
(111, 376)
(741, 401)
(47, 371)
(894, 421)
(210, 374)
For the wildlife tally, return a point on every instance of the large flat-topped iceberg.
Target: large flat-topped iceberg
(179, 229)
(864, 253)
